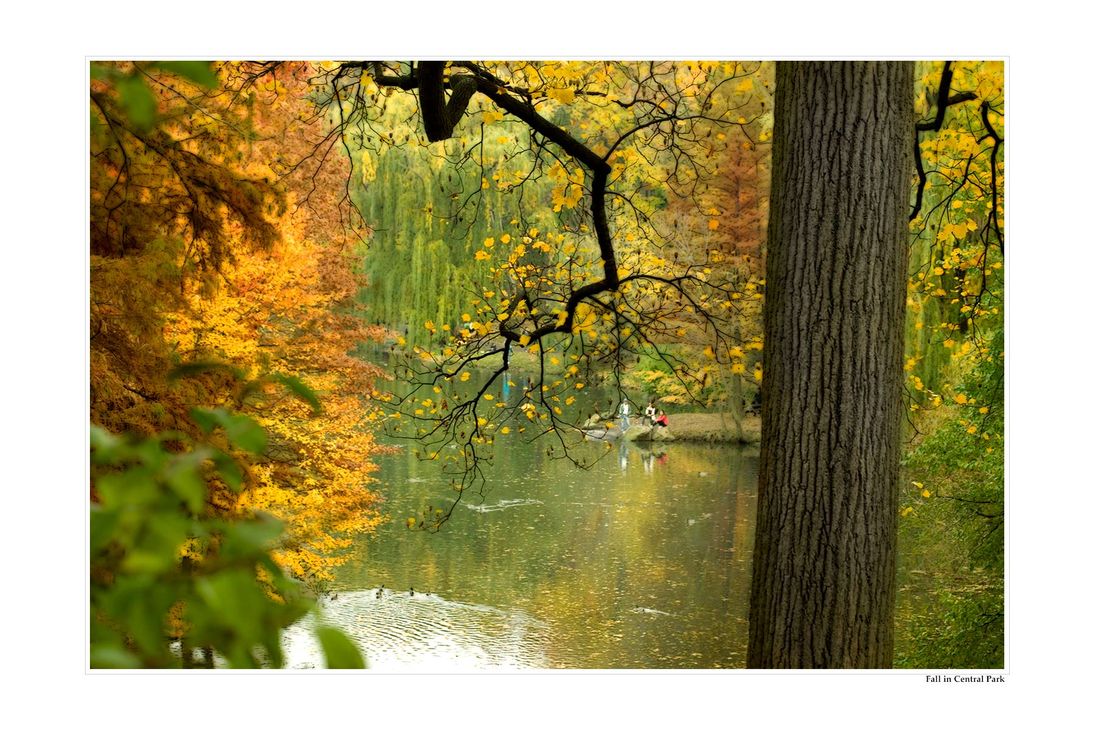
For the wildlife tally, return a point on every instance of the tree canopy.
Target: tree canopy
(257, 228)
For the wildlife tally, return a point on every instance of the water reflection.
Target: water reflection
(641, 561)
(424, 633)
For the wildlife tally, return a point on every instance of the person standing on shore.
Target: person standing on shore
(625, 413)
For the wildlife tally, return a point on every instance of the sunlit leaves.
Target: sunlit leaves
(955, 301)
(563, 96)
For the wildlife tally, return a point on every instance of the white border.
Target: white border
(1049, 501)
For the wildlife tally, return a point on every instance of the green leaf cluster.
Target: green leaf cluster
(137, 99)
(957, 533)
(170, 573)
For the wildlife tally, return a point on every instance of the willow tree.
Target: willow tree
(594, 271)
(824, 562)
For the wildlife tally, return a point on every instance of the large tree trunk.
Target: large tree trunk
(823, 563)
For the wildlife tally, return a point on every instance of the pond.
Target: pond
(641, 561)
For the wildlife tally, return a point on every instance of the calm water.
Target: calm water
(641, 561)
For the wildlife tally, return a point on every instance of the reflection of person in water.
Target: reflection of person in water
(623, 456)
(648, 462)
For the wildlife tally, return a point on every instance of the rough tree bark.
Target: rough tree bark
(823, 563)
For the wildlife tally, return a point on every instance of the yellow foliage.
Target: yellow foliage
(280, 309)
(563, 96)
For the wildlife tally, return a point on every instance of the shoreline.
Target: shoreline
(712, 428)
(697, 428)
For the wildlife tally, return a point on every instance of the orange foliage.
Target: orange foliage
(279, 312)
(199, 255)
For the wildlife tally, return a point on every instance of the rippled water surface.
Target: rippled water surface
(641, 561)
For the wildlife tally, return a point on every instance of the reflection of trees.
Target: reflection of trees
(600, 543)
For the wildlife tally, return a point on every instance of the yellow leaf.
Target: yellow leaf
(465, 376)
(713, 224)
(563, 96)
(960, 398)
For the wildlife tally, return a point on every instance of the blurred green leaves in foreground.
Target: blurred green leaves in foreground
(176, 577)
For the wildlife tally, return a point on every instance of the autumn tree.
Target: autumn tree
(220, 274)
(589, 272)
(954, 361)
